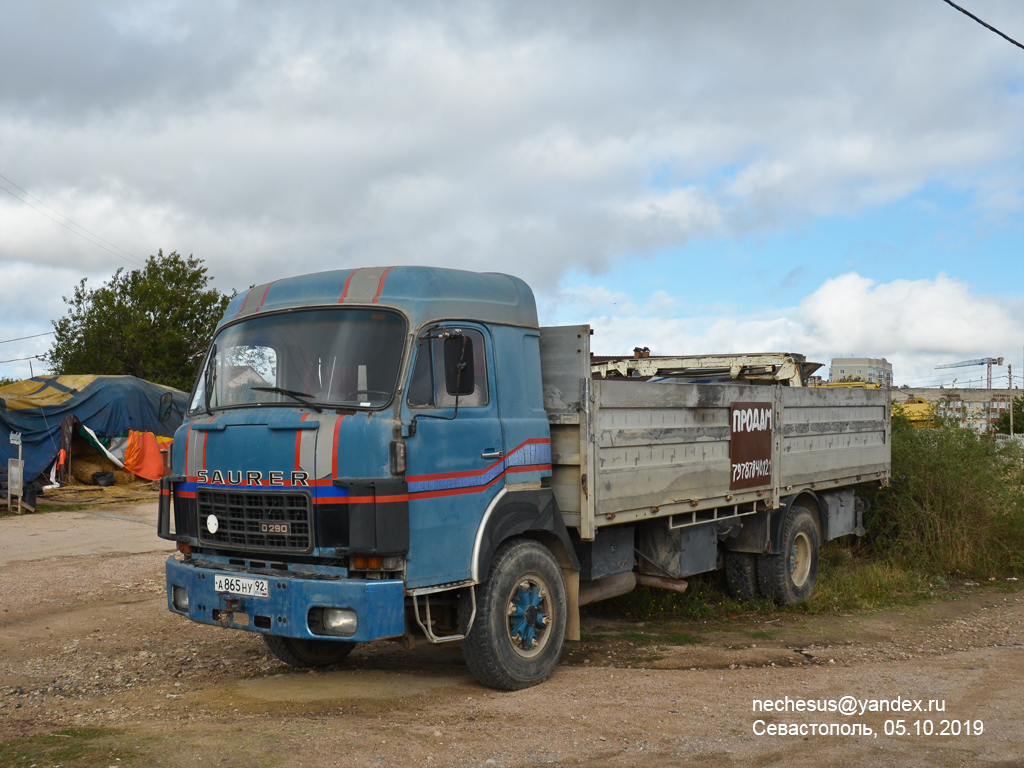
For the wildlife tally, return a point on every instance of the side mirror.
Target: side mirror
(459, 375)
(166, 405)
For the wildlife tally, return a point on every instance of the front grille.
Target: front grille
(252, 519)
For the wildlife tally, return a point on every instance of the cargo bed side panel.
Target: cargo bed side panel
(661, 444)
(665, 448)
(626, 450)
(834, 436)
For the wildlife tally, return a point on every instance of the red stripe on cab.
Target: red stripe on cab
(380, 285)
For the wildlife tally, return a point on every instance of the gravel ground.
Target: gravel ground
(86, 640)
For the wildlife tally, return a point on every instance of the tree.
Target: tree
(1003, 422)
(150, 322)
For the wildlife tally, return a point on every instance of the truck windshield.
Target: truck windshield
(325, 357)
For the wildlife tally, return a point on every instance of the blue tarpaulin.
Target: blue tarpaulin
(108, 405)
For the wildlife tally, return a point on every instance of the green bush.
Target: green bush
(955, 506)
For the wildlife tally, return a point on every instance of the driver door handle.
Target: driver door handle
(489, 454)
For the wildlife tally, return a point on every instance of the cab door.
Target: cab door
(456, 457)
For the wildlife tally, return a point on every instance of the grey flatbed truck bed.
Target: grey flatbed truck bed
(631, 449)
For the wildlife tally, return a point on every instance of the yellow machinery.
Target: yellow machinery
(917, 410)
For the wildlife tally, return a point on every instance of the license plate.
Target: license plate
(236, 585)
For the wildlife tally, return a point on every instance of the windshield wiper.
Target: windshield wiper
(292, 394)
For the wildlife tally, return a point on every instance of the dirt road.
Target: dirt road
(89, 652)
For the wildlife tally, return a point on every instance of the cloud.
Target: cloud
(931, 316)
(272, 139)
(915, 324)
(585, 300)
(28, 304)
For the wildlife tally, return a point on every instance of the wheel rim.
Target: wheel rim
(800, 559)
(529, 615)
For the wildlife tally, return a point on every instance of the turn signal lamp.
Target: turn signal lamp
(362, 563)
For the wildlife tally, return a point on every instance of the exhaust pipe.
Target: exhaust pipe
(623, 583)
(604, 589)
(675, 585)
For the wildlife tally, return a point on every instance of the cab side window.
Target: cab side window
(427, 388)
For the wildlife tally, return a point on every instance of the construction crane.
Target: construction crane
(989, 361)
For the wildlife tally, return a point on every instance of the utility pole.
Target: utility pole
(1009, 383)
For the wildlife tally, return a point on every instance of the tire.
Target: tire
(519, 631)
(789, 576)
(307, 653)
(741, 575)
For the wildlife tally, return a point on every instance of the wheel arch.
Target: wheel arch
(808, 500)
(528, 513)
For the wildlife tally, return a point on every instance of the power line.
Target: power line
(42, 203)
(22, 338)
(987, 26)
(123, 255)
(19, 359)
(921, 383)
(69, 229)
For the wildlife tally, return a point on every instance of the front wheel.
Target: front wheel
(297, 652)
(519, 631)
(789, 577)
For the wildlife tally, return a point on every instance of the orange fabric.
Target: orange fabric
(143, 457)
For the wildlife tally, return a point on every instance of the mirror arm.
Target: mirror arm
(455, 413)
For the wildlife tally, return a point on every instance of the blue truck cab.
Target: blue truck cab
(364, 457)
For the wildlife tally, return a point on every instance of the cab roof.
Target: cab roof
(425, 293)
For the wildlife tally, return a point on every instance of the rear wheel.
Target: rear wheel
(519, 631)
(741, 575)
(307, 653)
(789, 576)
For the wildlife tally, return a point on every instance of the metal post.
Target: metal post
(15, 474)
(1009, 386)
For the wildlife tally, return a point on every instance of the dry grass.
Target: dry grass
(86, 460)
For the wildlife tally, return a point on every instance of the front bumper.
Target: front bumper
(379, 605)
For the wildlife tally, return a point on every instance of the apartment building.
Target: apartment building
(978, 409)
(869, 369)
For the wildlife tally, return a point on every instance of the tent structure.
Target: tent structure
(120, 416)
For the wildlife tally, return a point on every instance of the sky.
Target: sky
(832, 179)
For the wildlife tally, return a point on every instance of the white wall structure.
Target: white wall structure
(869, 369)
